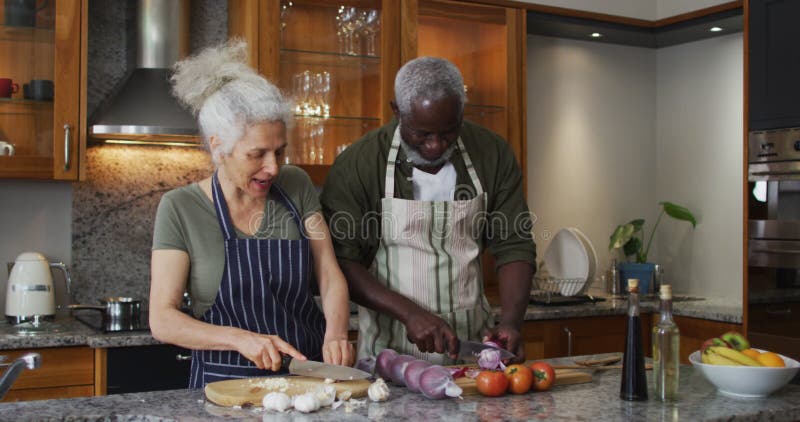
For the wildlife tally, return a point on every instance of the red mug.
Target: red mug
(7, 88)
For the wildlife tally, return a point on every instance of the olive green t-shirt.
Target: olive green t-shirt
(351, 196)
(186, 220)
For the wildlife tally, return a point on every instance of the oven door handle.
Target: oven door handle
(778, 251)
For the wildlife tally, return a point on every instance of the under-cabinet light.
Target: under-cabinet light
(159, 143)
(715, 29)
(596, 35)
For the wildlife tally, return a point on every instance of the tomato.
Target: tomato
(543, 376)
(491, 383)
(520, 378)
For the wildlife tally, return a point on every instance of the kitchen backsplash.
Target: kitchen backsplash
(113, 210)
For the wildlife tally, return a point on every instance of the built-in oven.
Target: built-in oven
(774, 240)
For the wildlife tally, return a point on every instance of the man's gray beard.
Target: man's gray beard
(419, 161)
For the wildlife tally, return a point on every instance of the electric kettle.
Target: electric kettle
(30, 295)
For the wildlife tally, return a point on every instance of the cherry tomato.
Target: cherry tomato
(520, 378)
(491, 383)
(543, 376)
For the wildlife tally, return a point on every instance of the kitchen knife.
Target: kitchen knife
(470, 350)
(310, 368)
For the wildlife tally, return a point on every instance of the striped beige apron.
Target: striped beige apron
(430, 253)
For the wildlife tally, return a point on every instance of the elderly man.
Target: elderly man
(412, 204)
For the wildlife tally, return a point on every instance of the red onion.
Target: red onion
(385, 357)
(436, 383)
(366, 364)
(398, 367)
(457, 373)
(489, 359)
(413, 371)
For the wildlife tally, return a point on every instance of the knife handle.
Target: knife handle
(285, 361)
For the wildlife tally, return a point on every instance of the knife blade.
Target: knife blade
(470, 350)
(310, 368)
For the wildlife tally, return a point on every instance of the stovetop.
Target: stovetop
(96, 321)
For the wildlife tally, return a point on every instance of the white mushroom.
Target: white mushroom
(378, 391)
(276, 401)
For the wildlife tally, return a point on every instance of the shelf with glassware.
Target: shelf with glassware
(40, 89)
(333, 77)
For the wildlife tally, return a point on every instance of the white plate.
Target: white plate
(592, 253)
(566, 258)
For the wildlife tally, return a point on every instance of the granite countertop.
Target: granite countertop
(723, 310)
(596, 401)
(74, 333)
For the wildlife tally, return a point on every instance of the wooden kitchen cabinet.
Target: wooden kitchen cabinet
(694, 332)
(579, 336)
(65, 372)
(46, 127)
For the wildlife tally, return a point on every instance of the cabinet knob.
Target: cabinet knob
(181, 357)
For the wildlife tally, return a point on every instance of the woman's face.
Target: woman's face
(255, 160)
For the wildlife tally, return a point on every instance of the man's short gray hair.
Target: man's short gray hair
(428, 77)
(227, 95)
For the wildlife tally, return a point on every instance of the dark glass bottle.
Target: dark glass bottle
(634, 379)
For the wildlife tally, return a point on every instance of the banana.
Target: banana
(704, 358)
(734, 355)
(716, 359)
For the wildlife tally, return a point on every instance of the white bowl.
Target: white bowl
(746, 381)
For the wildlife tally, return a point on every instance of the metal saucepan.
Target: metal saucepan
(116, 308)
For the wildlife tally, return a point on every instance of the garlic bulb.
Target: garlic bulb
(326, 394)
(306, 403)
(276, 401)
(378, 391)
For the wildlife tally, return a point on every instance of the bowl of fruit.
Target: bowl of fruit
(738, 370)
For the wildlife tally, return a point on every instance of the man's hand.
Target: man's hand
(508, 337)
(431, 334)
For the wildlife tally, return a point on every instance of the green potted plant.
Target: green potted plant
(630, 237)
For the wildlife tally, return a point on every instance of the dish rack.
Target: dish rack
(547, 287)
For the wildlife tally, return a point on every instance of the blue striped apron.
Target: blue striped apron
(265, 289)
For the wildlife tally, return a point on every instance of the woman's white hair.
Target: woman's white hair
(428, 77)
(227, 95)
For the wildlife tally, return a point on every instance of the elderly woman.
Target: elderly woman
(244, 241)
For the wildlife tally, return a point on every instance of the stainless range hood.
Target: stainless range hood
(144, 110)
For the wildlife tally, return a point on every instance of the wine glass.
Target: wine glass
(370, 30)
(322, 94)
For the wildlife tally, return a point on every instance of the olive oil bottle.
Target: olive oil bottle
(666, 350)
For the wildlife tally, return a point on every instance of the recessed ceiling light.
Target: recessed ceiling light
(715, 29)
(596, 35)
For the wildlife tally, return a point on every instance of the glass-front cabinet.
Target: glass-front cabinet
(330, 58)
(40, 88)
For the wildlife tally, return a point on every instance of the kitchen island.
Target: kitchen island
(596, 401)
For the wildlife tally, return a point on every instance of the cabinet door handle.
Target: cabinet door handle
(183, 357)
(569, 341)
(779, 312)
(66, 147)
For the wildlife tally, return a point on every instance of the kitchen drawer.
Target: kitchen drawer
(780, 319)
(65, 370)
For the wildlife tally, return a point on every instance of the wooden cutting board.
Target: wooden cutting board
(250, 391)
(563, 377)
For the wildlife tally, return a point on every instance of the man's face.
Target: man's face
(431, 126)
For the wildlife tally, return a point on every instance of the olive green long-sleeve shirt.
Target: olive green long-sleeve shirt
(351, 196)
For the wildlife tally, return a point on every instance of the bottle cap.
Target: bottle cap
(666, 291)
(633, 284)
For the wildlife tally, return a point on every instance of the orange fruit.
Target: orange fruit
(753, 353)
(770, 359)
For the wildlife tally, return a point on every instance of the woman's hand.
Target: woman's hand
(338, 351)
(265, 351)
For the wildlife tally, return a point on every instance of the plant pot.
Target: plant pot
(642, 272)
